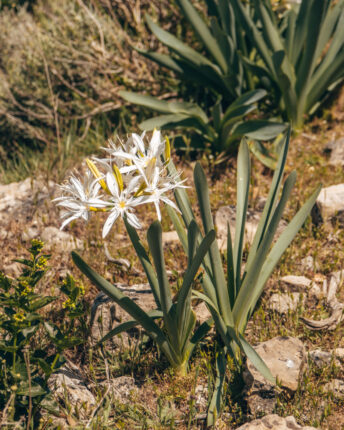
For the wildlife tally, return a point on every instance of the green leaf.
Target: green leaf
(174, 121)
(214, 253)
(33, 391)
(216, 400)
(259, 129)
(128, 305)
(243, 184)
(154, 237)
(127, 325)
(145, 261)
(203, 33)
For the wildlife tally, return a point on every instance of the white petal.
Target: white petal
(112, 185)
(109, 222)
(138, 142)
(132, 220)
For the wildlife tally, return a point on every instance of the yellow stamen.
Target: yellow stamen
(122, 204)
(167, 153)
(142, 187)
(118, 177)
(96, 174)
(91, 208)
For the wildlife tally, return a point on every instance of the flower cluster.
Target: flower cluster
(132, 174)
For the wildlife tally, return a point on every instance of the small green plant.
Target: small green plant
(25, 363)
(232, 301)
(177, 339)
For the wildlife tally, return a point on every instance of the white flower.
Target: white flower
(78, 198)
(122, 202)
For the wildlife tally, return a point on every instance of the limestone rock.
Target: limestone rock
(169, 237)
(227, 214)
(18, 197)
(69, 383)
(285, 357)
(330, 203)
(106, 314)
(337, 152)
(121, 388)
(297, 281)
(283, 303)
(202, 312)
(274, 422)
(322, 358)
(60, 240)
(336, 386)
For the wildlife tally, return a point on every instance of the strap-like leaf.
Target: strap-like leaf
(193, 267)
(202, 191)
(145, 261)
(243, 184)
(127, 325)
(203, 33)
(216, 399)
(252, 271)
(271, 200)
(281, 245)
(154, 237)
(128, 305)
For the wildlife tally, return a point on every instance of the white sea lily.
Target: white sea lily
(122, 203)
(78, 198)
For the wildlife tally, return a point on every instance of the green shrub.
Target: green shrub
(27, 358)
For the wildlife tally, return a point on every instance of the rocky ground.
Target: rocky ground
(297, 328)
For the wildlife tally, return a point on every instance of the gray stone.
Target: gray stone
(336, 386)
(262, 402)
(14, 270)
(283, 303)
(330, 203)
(30, 233)
(19, 197)
(337, 152)
(285, 357)
(323, 358)
(68, 383)
(169, 237)
(308, 263)
(106, 314)
(274, 422)
(60, 240)
(202, 312)
(121, 388)
(297, 281)
(227, 214)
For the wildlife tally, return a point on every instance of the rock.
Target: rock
(14, 270)
(169, 237)
(285, 357)
(226, 214)
(283, 303)
(297, 281)
(30, 233)
(120, 388)
(68, 384)
(60, 240)
(336, 386)
(106, 314)
(18, 197)
(201, 398)
(308, 264)
(330, 204)
(262, 402)
(202, 312)
(323, 358)
(337, 152)
(274, 422)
